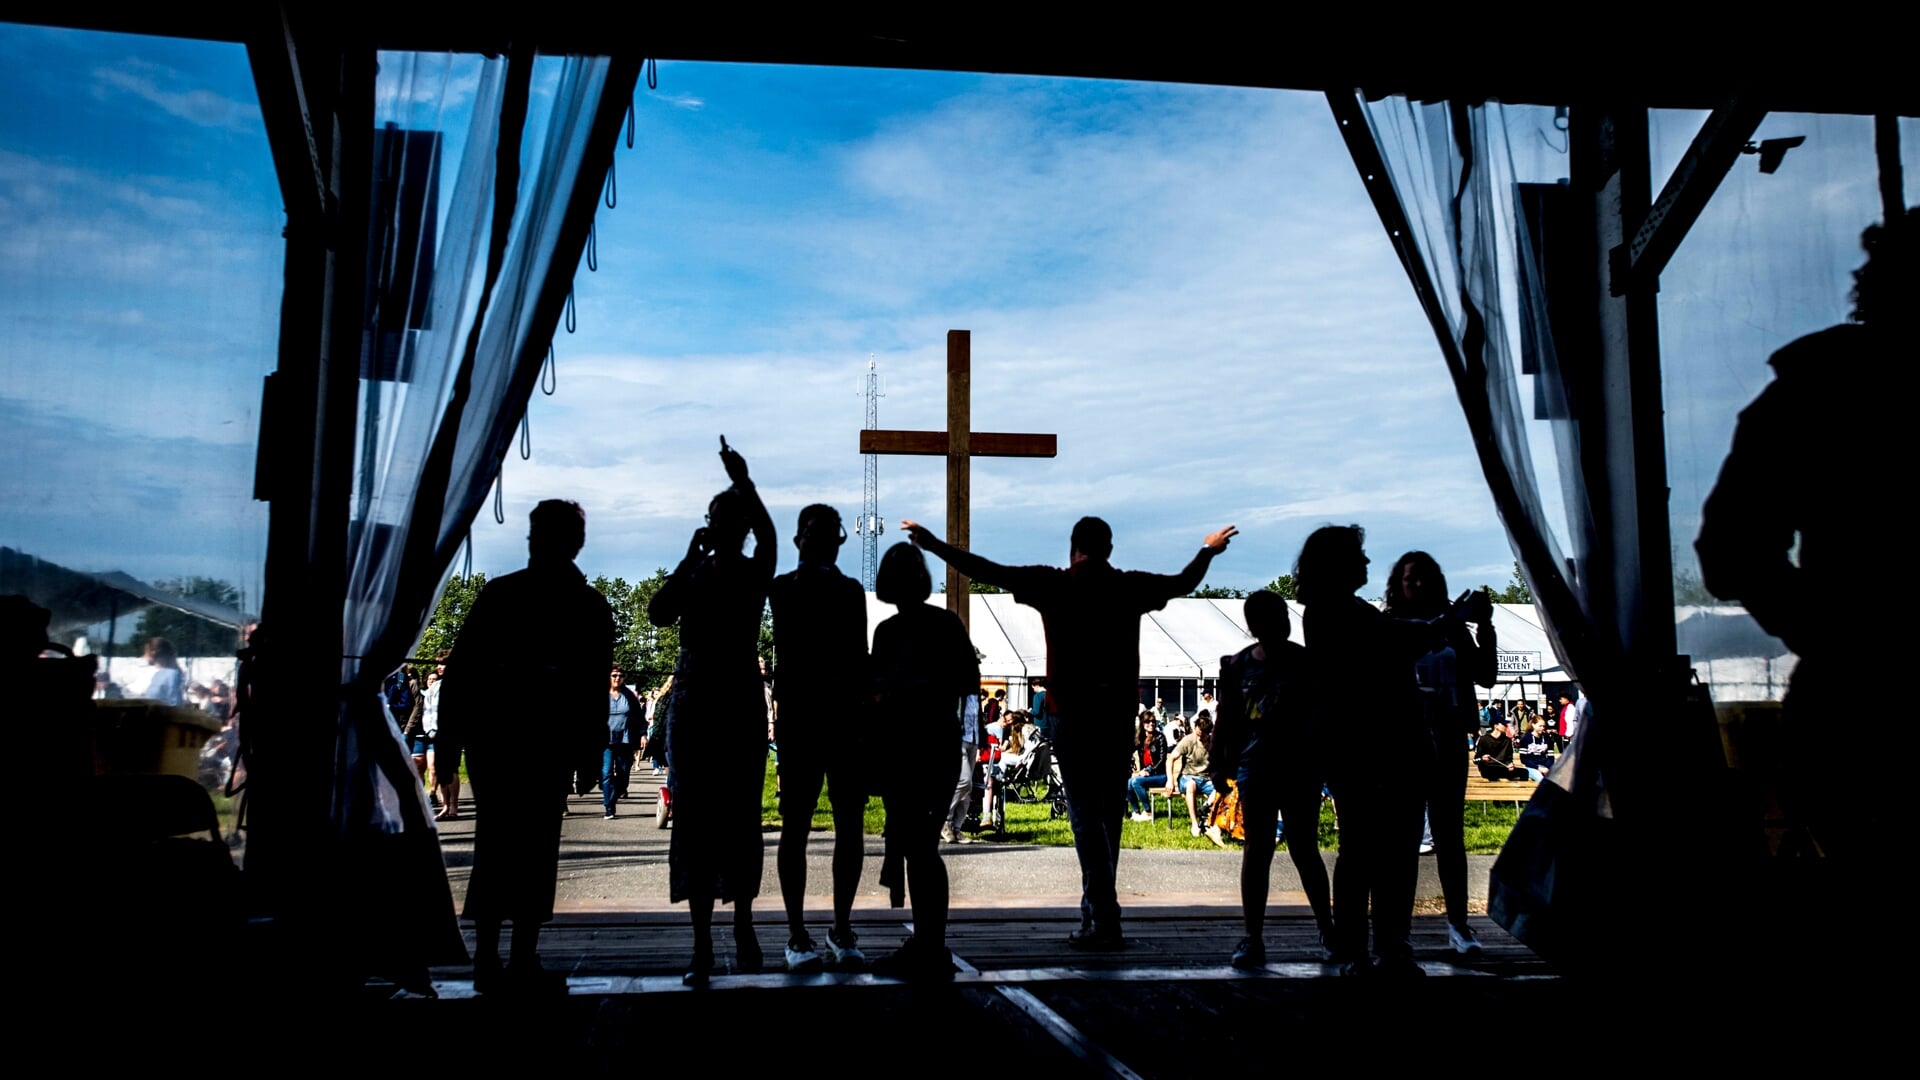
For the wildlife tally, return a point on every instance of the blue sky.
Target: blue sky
(1186, 284)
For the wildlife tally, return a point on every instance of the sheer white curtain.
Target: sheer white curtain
(479, 302)
(1477, 184)
(521, 146)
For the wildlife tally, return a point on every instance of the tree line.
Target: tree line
(645, 652)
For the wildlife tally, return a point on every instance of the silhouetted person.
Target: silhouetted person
(1379, 795)
(1092, 616)
(819, 646)
(520, 694)
(1416, 589)
(717, 719)
(1807, 467)
(924, 666)
(1267, 743)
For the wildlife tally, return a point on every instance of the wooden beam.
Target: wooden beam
(934, 443)
(1715, 148)
(287, 109)
(959, 464)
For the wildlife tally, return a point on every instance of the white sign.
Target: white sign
(1519, 663)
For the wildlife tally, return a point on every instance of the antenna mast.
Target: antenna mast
(869, 526)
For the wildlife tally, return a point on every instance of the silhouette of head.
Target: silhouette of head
(902, 577)
(1332, 563)
(1887, 285)
(727, 522)
(1416, 586)
(557, 529)
(1092, 539)
(1268, 617)
(819, 534)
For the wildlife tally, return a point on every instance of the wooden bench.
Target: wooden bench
(1481, 789)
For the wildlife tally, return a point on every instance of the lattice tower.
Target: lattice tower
(869, 527)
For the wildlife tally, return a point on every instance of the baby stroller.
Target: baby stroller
(1036, 780)
(1030, 779)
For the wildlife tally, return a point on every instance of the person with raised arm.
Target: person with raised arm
(717, 719)
(1091, 612)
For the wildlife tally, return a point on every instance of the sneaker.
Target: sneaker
(1194, 829)
(1463, 940)
(1250, 953)
(846, 951)
(916, 962)
(803, 957)
(1141, 816)
(1426, 849)
(1096, 939)
(948, 836)
(965, 839)
(608, 816)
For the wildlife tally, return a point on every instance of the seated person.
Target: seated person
(1189, 762)
(1017, 747)
(1493, 756)
(1536, 749)
(1149, 766)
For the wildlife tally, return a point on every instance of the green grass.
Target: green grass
(1487, 825)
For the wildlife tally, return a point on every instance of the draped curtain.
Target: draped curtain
(522, 147)
(1461, 179)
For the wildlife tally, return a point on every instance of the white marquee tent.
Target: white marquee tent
(1186, 640)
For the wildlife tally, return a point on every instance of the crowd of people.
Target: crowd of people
(1267, 745)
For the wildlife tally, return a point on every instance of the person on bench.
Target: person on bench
(1493, 756)
(1537, 749)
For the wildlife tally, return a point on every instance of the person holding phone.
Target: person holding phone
(717, 719)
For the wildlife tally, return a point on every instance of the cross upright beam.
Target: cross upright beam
(960, 444)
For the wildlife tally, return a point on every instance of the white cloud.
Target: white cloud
(167, 90)
(1189, 288)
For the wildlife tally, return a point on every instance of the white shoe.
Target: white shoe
(1463, 941)
(803, 956)
(846, 953)
(948, 836)
(1139, 815)
(1426, 849)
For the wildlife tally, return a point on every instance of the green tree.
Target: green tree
(982, 587)
(647, 653)
(1687, 586)
(191, 635)
(1282, 585)
(450, 614)
(1217, 592)
(1516, 591)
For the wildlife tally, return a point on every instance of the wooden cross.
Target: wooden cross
(960, 444)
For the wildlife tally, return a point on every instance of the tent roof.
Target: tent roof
(79, 598)
(1409, 56)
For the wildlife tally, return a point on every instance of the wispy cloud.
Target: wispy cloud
(173, 93)
(1188, 288)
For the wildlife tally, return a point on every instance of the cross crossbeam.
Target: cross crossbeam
(961, 445)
